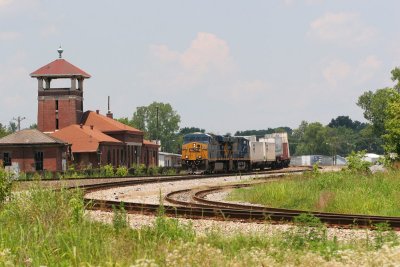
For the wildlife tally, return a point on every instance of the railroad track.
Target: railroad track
(261, 213)
(198, 207)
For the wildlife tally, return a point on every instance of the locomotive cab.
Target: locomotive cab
(195, 152)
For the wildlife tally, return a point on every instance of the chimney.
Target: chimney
(109, 114)
(97, 111)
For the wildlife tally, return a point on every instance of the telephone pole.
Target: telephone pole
(18, 120)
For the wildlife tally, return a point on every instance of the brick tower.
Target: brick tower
(59, 107)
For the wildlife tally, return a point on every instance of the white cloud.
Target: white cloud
(367, 69)
(48, 31)
(342, 28)
(206, 59)
(290, 3)
(336, 71)
(249, 90)
(9, 36)
(4, 3)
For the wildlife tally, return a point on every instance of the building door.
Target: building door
(39, 160)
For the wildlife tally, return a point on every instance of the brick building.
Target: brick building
(90, 147)
(59, 107)
(87, 139)
(31, 150)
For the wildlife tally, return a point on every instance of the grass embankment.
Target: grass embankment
(341, 192)
(49, 228)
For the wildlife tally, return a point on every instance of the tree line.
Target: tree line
(341, 136)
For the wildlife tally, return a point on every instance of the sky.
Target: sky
(223, 65)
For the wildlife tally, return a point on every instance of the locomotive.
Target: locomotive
(211, 153)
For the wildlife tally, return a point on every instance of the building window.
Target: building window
(57, 124)
(56, 105)
(39, 161)
(6, 159)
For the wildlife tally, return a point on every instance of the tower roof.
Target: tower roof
(59, 68)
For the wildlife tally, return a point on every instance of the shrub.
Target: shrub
(121, 171)
(120, 220)
(140, 169)
(385, 235)
(309, 232)
(356, 162)
(169, 171)
(152, 170)
(6, 179)
(108, 170)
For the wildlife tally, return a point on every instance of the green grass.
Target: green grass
(49, 228)
(341, 192)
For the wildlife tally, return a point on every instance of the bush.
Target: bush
(152, 170)
(6, 180)
(356, 162)
(140, 169)
(122, 171)
(120, 218)
(107, 170)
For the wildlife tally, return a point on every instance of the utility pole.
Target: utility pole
(157, 126)
(18, 120)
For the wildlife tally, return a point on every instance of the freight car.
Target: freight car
(214, 153)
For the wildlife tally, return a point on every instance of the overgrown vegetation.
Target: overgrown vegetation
(103, 172)
(6, 180)
(342, 192)
(44, 227)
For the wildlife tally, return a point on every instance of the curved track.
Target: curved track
(192, 203)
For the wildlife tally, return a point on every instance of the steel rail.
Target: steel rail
(203, 208)
(330, 218)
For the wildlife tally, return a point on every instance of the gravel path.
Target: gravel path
(150, 193)
(202, 227)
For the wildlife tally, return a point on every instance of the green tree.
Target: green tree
(374, 105)
(12, 127)
(188, 130)
(159, 122)
(396, 77)
(345, 121)
(313, 139)
(392, 124)
(3, 131)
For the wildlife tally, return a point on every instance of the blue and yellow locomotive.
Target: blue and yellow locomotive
(214, 153)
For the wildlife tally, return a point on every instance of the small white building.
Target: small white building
(169, 159)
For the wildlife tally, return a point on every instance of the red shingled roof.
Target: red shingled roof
(106, 124)
(149, 143)
(59, 68)
(83, 139)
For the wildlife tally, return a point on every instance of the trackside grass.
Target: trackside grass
(341, 192)
(46, 228)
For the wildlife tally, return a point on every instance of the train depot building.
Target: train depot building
(67, 135)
